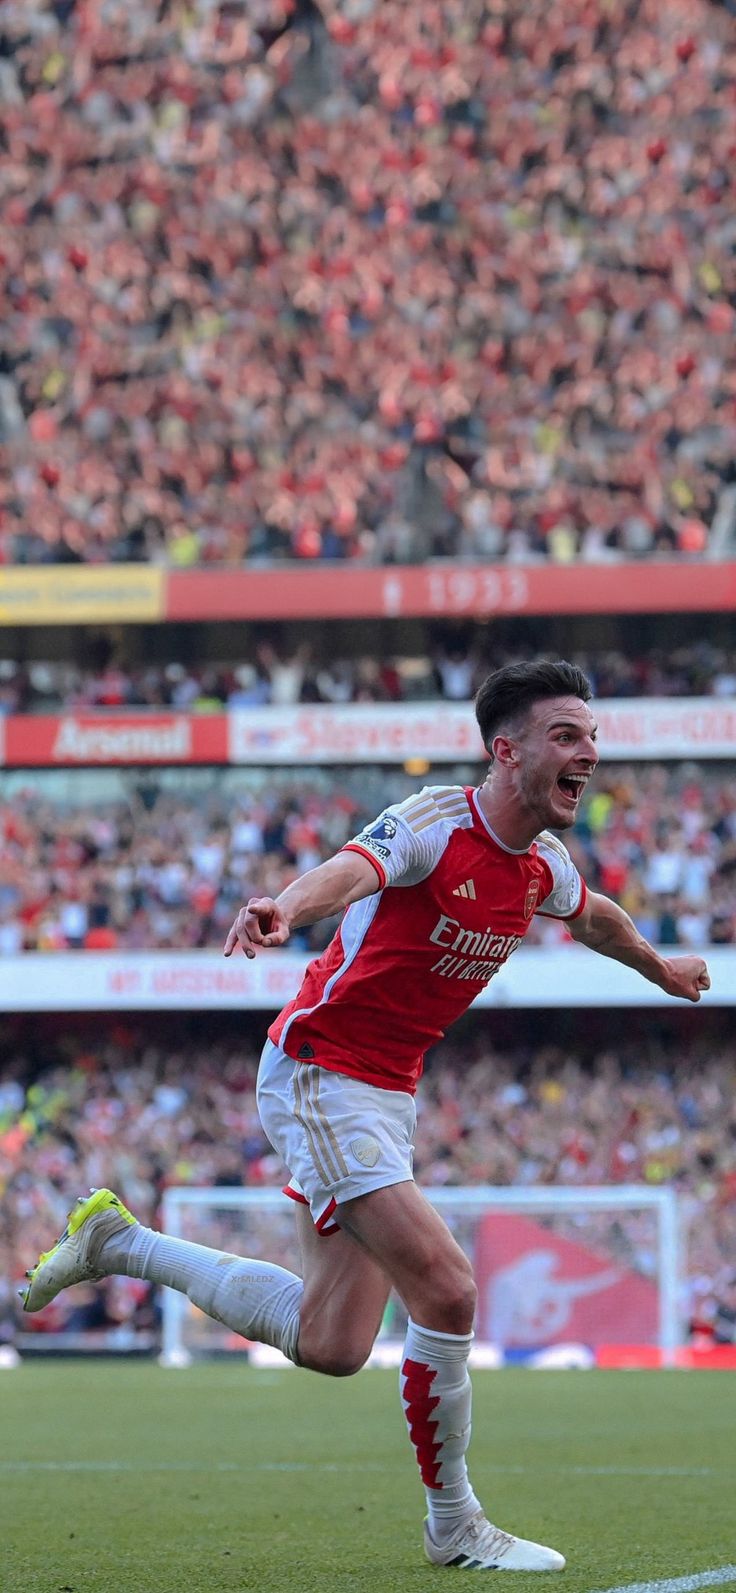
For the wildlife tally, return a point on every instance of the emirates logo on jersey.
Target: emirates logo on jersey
(533, 892)
(481, 950)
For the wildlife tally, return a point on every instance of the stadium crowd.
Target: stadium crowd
(451, 672)
(362, 281)
(168, 860)
(141, 1110)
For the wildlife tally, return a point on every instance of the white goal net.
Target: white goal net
(565, 1275)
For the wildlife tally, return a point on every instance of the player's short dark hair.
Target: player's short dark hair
(508, 693)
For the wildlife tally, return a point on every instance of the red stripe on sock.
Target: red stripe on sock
(419, 1404)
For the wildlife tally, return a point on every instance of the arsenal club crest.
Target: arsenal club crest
(532, 897)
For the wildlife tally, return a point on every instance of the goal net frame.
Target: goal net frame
(462, 1200)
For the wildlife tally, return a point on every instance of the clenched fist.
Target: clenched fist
(688, 977)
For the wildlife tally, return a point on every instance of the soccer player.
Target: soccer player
(437, 893)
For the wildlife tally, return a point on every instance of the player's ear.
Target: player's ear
(505, 751)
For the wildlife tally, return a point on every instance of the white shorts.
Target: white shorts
(338, 1137)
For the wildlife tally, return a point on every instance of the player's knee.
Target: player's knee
(335, 1348)
(459, 1298)
(337, 1361)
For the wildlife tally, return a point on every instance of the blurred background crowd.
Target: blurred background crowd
(501, 330)
(166, 858)
(141, 1107)
(449, 671)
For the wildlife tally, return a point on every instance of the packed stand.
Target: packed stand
(283, 677)
(166, 858)
(366, 281)
(142, 1111)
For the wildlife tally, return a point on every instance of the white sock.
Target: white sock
(254, 1298)
(436, 1396)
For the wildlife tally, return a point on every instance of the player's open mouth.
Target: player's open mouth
(572, 786)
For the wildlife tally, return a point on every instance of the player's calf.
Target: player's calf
(344, 1299)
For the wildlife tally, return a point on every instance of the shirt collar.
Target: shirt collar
(516, 851)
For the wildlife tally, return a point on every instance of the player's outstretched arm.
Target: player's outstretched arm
(328, 889)
(605, 927)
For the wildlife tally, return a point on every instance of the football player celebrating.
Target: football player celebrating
(436, 894)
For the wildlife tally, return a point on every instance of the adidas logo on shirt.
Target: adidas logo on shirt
(467, 890)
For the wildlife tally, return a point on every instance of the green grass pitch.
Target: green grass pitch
(131, 1479)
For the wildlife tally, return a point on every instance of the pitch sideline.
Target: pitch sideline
(678, 1584)
(674, 1472)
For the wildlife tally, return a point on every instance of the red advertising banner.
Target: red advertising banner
(536, 1288)
(102, 739)
(471, 591)
(376, 733)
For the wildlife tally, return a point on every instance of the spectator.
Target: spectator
(385, 283)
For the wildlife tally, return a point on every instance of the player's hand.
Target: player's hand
(687, 977)
(260, 923)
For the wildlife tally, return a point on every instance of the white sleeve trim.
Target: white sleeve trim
(568, 891)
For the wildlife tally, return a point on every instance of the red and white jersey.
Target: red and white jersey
(453, 904)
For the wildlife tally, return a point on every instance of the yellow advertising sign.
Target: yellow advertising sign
(59, 594)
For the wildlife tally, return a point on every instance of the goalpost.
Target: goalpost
(577, 1267)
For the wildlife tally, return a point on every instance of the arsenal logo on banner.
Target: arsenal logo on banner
(532, 897)
(536, 1287)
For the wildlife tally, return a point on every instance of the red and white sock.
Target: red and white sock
(436, 1396)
